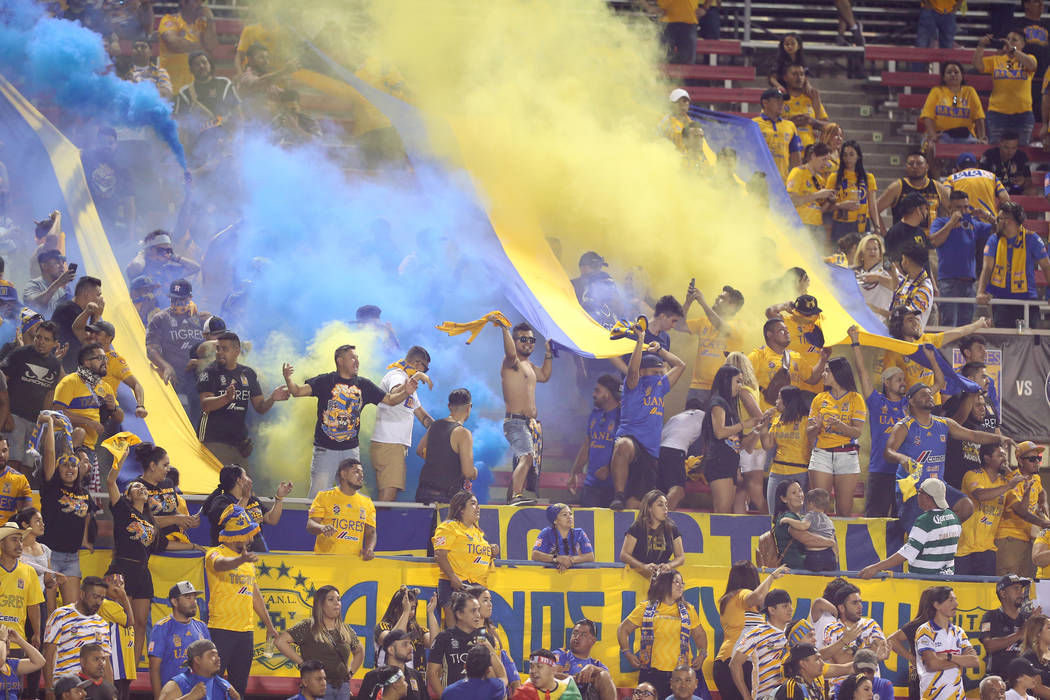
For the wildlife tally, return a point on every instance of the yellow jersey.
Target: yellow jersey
(803, 181)
(121, 640)
(767, 363)
(951, 110)
(802, 104)
(710, 349)
(671, 129)
(849, 190)
(117, 370)
(19, 589)
(469, 555)
(667, 632)
(792, 455)
(798, 326)
(848, 408)
(981, 186)
(178, 64)
(782, 139)
(979, 530)
(682, 11)
(1044, 537)
(942, 7)
(1011, 525)
(1011, 85)
(230, 593)
(73, 396)
(349, 515)
(15, 493)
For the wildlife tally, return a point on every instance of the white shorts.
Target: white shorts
(754, 461)
(834, 462)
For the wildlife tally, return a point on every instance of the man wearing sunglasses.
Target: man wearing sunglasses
(1025, 506)
(521, 427)
(644, 691)
(159, 260)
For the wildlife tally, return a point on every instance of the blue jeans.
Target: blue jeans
(337, 692)
(948, 138)
(935, 27)
(955, 314)
(711, 24)
(1021, 123)
(680, 41)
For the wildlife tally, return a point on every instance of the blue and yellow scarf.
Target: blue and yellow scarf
(648, 634)
(1017, 274)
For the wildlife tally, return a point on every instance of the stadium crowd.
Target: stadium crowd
(773, 429)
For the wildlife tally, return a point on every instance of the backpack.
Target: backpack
(767, 554)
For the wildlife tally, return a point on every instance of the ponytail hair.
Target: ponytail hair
(146, 453)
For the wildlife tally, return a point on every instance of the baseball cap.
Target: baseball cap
(66, 683)
(1027, 446)
(8, 529)
(214, 324)
(802, 651)
(592, 258)
(101, 326)
(678, 93)
(1020, 667)
(916, 388)
(966, 160)
(1011, 580)
(180, 289)
(394, 636)
(143, 282)
(776, 597)
(891, 371)
(182, 588)
(651, 361)
(772, 94)
(611, 383)
(807, 305)
(934, 488)
(865, 660)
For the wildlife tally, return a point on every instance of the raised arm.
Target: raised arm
(47, 440)
(953, 334)
(294, 389)
(111, 483)
(755, 597)
(978, 53)
(858, 362)
(677, 365)
(634, 366)
(544, 371)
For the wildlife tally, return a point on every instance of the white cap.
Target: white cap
(934, 488)
(678, 93)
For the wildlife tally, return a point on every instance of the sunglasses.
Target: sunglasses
(1033, 458)
(527, 341)
(641, 693)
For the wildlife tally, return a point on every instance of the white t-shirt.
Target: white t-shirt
(394, 423)
(682, 430)
(1012, 694)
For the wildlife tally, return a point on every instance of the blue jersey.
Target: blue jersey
(215, 688)
(601, 431)
(168, 640)
(642, 411)
(10, 681)
(550, 541)
(574, 664)
(927, 445)
(883, 414)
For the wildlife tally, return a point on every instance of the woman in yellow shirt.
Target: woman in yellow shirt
(854, 209)
(836, 418)
(668, 627)
(833, 137)
(785, 433)
(738, 609)
(953, 112)
(1010, 106)
(462, 554)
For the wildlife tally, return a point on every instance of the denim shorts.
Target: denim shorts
(520, 436)
(66, 563)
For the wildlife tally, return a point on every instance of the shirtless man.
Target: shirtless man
(521, 427)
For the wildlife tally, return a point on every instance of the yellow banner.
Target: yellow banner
(535, 606)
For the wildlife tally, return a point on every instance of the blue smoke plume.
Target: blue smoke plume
(66, 63)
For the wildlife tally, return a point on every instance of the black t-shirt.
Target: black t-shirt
(960, 455)
(175, 334)
(995, 624)
(901, 233)
(339, 404)
(992, 161)
(107, 180)
(417, 686)
(30, 376)
(65, 314)
(163, 500)
(229, 423)
(653, 546)
(256, 511)
(716, 451)
(103, 690)
(64, 509)
(134, 533)
(1042, 666)
(450, 650)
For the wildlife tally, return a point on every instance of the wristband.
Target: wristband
(856, 345)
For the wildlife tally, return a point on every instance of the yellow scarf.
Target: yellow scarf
(119, 444)
(496, 318)
(1018, 262)
(403, 366)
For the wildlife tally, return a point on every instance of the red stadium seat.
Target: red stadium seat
(954, 150)
(721, 47)
(719, 95)
(925, 81)
(873, 52)
(702, 72)
(1040, 226)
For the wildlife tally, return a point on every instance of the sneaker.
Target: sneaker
(858, 34)
(618, 502)
(520, 499)
(840, 40)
